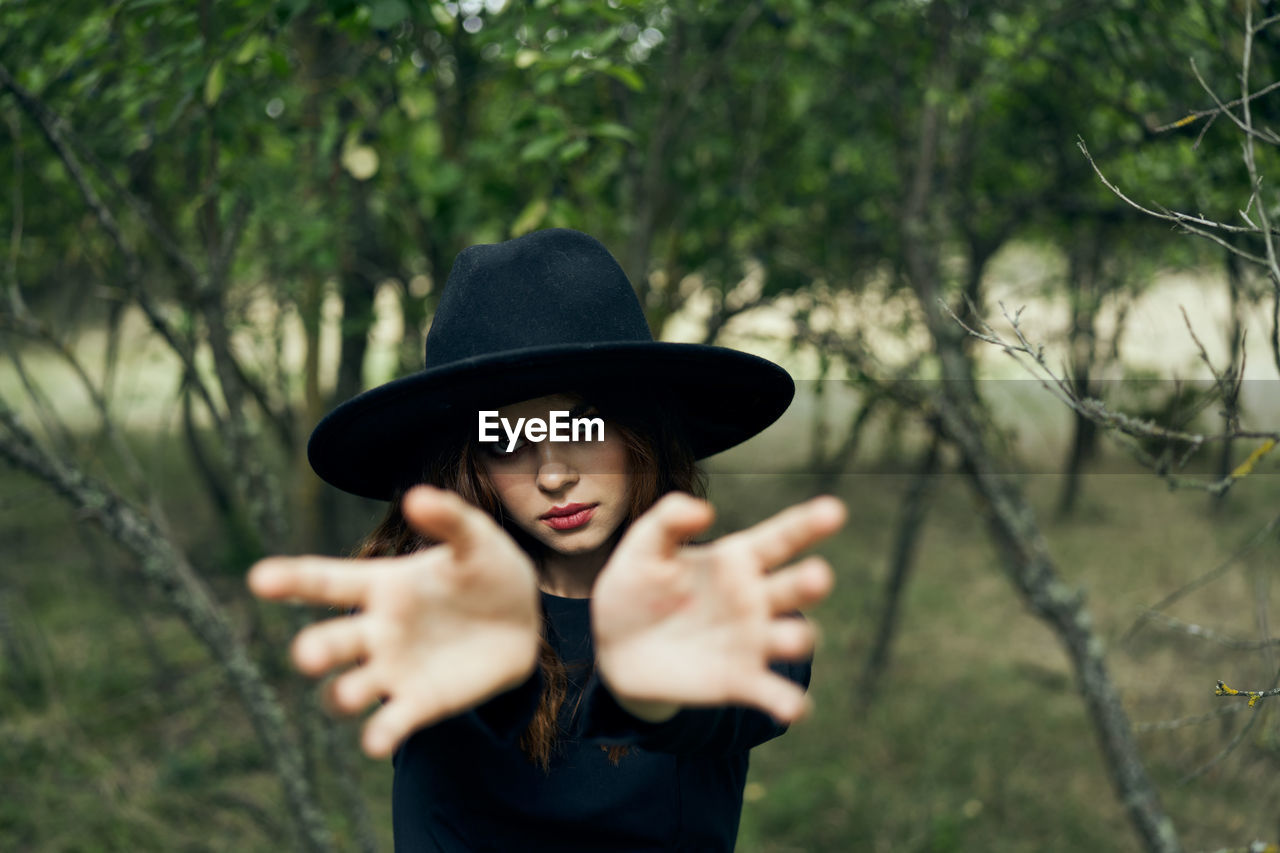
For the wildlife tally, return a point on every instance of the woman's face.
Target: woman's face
(570, 495)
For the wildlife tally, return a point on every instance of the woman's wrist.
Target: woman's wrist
(650, 712)
(645, 710)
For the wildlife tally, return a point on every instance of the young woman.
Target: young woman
(560, 666)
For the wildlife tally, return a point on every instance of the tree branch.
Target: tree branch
(163, 565)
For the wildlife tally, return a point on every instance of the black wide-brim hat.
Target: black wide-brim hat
(544, 313)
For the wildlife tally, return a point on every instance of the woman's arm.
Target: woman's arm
(684, 632)
(438, 632)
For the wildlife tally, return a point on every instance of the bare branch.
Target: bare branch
(162, 564)
(1032, 571)
(1213, 113)
(1222, 109)
(1255, 180)
(1183, 722)
(1208, 577)
(1183, 219)
(1119, 423)
(1223, 690)
(1254, 695)
(1252, 847)
(1200, 632)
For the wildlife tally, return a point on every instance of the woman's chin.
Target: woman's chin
(570, 547)
(575, 542)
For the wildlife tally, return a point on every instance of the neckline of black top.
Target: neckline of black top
(558, 605)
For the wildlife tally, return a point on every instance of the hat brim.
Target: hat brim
(370, 444)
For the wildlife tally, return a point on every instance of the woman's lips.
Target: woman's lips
(570, 516)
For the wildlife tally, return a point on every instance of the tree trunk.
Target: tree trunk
(961, 417)
(1033, 574)
(1083, 291)
(915, 504)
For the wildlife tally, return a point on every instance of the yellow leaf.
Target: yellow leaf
(1246, 467)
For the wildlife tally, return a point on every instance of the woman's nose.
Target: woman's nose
(554, 471)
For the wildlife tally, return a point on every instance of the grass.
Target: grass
(116, 732)
(976, 738)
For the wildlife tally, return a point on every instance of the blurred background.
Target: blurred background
(217, 220)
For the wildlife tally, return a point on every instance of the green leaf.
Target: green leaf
(213, 84)
(387, 13)
(541, 148)
(251, 49)
(574, 150)
(627, 76)
(604, 41)
(446, 178)
(613, 130)
(530, 218)
(446, 21)
(279, 62)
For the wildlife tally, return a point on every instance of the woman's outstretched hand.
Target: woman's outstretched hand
(438, 631)
(677, 624)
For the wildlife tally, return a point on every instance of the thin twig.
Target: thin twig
(1227, 641)
(1244, 126)
(1183, 722)
(1255, 180)
(1203, 580)
(1223, 690)
(1212, 113)
(1096, 410)
(1177, 217)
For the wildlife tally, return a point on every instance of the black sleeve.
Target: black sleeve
(717, 730)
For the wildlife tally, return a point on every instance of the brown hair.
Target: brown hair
(659, 460)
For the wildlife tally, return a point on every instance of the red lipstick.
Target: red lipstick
(569, 516)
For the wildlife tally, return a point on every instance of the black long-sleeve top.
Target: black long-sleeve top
(465, 785)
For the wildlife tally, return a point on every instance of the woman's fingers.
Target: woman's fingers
(321, 647)
(317, 580)
(668, 524)
(443, 515)
(790, 638)
(780, 698)
(799, 586)
(354, 690)
(786, 534)
(388, 726)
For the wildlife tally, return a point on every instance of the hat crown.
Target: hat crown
(545, 288)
